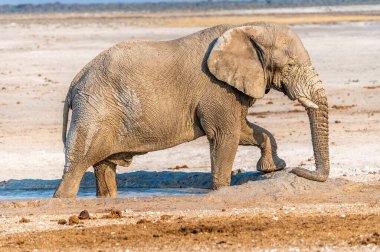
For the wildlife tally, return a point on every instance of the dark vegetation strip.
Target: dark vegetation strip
(164, 6)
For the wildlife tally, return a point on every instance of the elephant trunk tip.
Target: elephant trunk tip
(311, 175)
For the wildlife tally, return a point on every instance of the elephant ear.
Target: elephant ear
(237, 59)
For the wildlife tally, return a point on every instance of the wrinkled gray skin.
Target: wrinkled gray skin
(142, 96)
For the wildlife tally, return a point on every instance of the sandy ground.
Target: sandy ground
(279, 211)
(39, 60)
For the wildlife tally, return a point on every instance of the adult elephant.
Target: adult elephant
(142, 96)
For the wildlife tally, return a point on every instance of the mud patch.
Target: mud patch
(286, 186)
(179, 167)
(372, 87)
(342, 107)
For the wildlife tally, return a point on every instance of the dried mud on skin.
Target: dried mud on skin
(231, 233)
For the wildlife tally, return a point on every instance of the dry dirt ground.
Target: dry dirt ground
(39, 57)
(280, 211)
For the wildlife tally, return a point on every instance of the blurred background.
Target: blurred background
(44, 44)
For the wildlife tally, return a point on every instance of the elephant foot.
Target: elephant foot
(215, 185)
(63, 195)
(270, 164)
(218, 186)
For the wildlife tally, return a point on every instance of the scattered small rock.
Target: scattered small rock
(84, 215)
(143, 221)
(24, 220)
(20, 243)
(372, 239)
(73, 220)
(337, 121)
(62, 222)
(237, 171)
(115, 214)
(178, 167)
(295, 111)
(269, 102)
(165, 217)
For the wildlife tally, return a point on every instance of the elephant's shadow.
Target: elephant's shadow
(175, 179)
(140, 179)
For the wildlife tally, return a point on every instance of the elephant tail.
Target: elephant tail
(66, 109)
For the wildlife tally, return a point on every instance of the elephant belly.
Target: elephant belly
(142, 137)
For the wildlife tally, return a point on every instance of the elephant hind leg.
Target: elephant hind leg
(105, 174)
(72, 176)
(84, 147)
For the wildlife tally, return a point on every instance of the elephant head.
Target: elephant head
(257, 57)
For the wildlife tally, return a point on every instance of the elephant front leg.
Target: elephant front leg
(223, 151)
(105, 173)
(252, 134)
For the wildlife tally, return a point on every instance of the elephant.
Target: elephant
(143, 96)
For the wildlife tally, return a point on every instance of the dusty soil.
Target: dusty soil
(40, 61)
(224, 233)
(279, 210)
(40, 56)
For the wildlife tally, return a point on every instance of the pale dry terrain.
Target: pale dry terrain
(41, 54)
(40, 60)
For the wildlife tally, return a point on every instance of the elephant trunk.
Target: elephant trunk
(318, 118)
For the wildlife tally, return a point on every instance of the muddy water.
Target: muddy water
(133, 184)
(7, 194)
